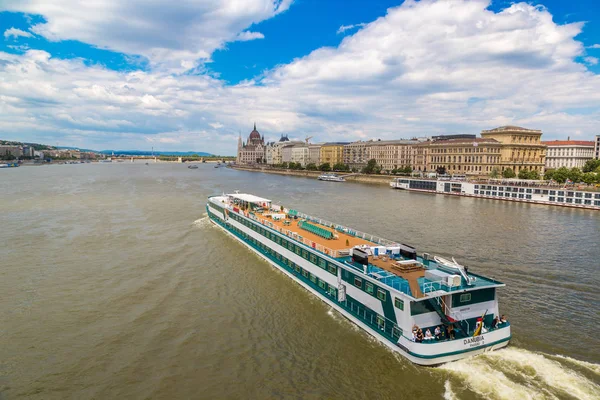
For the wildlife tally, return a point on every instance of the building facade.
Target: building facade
(522, 148)
(253, 151)
(392, 154)
(11, 150)
(273, 150)
(355, 154)
(300, 154)
(597, 148)
(568, 153)
(478, 156)
(314, 153)
(332, 153)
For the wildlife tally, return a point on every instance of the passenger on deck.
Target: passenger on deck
(437, 333)
(414, 333)
(503, 319)
(451, 332)
(419, 335)
(495, 322)
(428, 335)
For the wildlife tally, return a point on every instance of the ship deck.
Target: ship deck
(404, 275)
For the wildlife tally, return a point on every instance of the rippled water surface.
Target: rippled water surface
(114, 284)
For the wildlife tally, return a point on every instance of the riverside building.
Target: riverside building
(470, 156)
(597, 148)
(392, 154)
(332, 153)
(521, 148)
(568, 153)
(253, 151)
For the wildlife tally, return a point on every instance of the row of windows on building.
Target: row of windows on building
(466, 150)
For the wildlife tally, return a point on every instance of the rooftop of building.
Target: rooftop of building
(569, 143)
(511, 128)
(335, 144)
(446, 142)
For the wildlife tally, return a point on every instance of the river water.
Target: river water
(114, 284)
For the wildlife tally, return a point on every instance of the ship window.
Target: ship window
(331, 291)
(369, 287)
(528, 191)
(380, 294)
(569, 200)
(587, 201)
(578, 194)
(465, 297)
(278, 240)
(298, 268)
(380, 322)
(322, 285)
(514, 195)
(561, 199)
(313, 258)
(305, 273)
(358, 282)
(588, 195)
(597, 196)
(528, 196)
(396, 332)
(560, 193)
(399, 303)
(597, 202)
(313, 278)
(570, 194)
(552, 198)
(305, 254)
(285, 261)
(476, 191)
(291, 246)
(578, 201)
(332, 268)
(322, 263)
(278, 256)
(298, 250)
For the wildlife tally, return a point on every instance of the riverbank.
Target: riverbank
(361, 178)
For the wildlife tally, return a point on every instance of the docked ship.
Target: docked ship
(519, 190)
(331, 178)
(384, 287)
(9, 165)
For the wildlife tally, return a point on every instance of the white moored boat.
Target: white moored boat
(331, 178)
(382, 286)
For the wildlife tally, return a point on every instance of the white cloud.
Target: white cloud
(425, 68)
(15, 33)
(594, 46)
(171, 34)
(591, 60)
(248, 35)
(345, 28)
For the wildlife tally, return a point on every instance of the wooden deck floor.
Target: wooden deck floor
(410, 274)
(343, 241)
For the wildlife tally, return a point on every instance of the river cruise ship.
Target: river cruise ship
(384, 287)
(520, 190)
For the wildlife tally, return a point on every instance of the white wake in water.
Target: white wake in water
(203, 222)
(514, 373)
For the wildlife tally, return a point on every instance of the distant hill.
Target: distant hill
(156, 153)
(36, 146)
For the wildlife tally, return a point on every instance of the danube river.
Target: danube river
(113, 284)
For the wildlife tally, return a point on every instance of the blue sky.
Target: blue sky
(192, 76)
